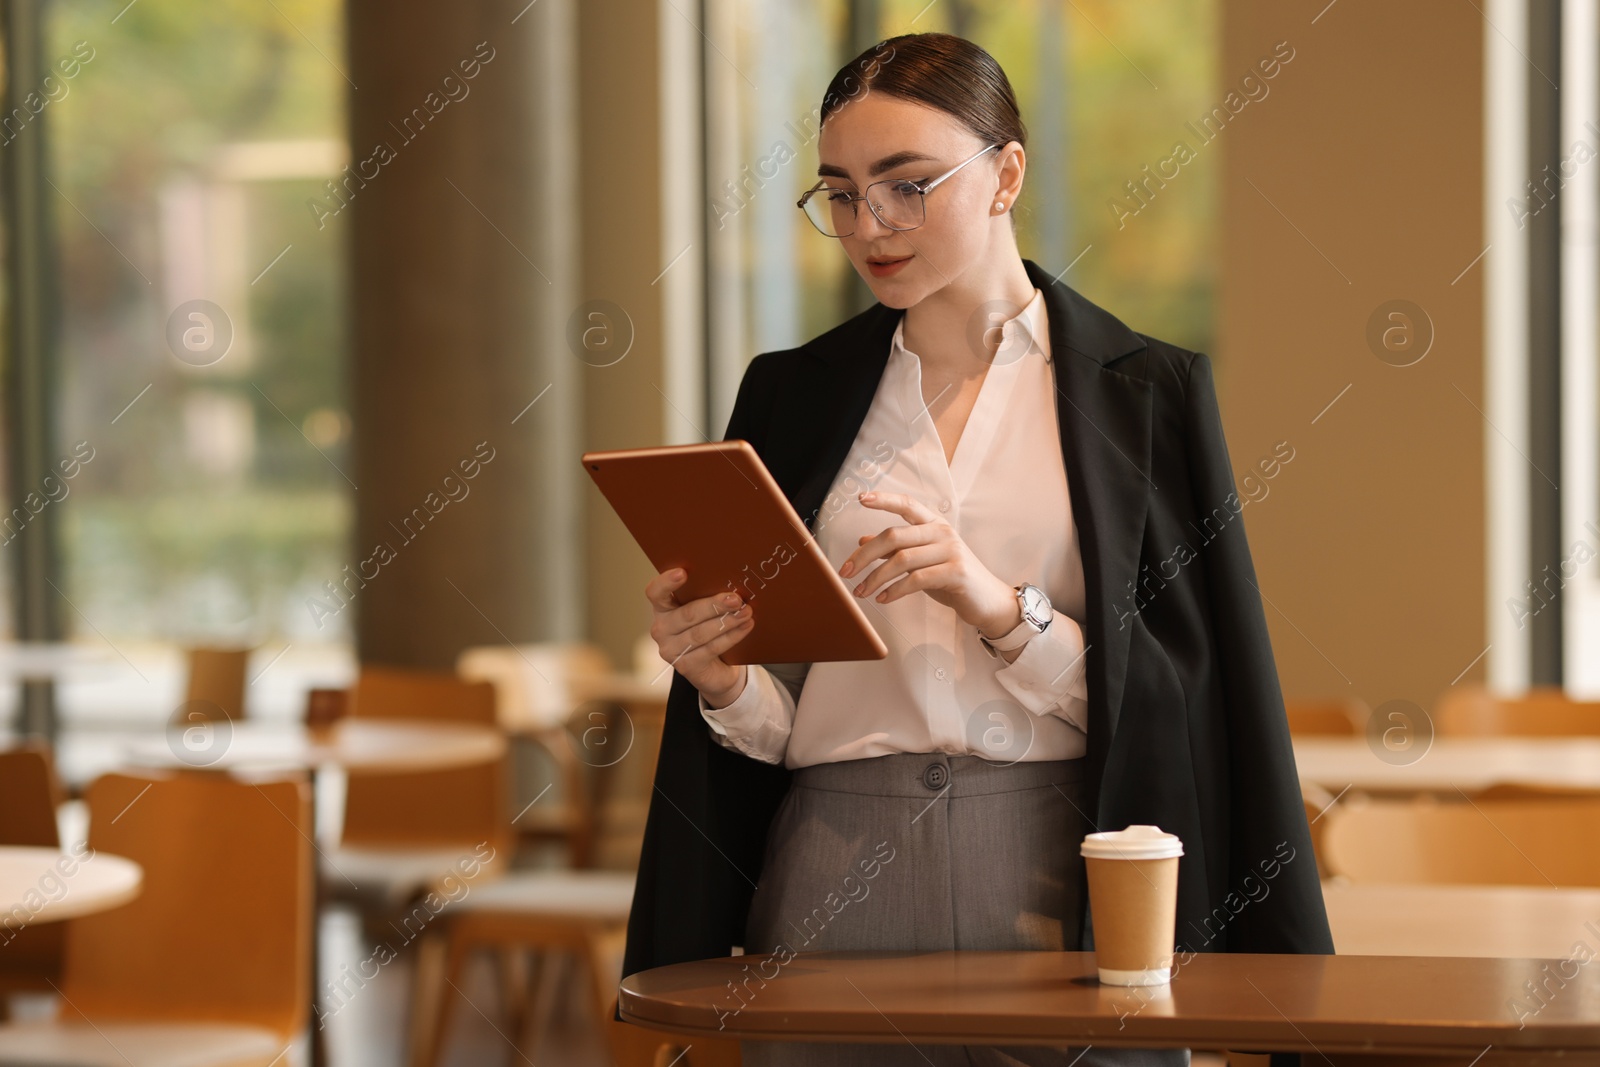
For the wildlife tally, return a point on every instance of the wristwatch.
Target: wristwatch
(1036, 616)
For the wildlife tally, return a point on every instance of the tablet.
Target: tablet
(715, 510)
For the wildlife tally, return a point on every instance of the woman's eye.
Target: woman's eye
(905, 188)
(837, 195)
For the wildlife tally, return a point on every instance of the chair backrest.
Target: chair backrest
(464, 805)
(221, 930)
(1544, 711)
(405, 693)
(216, 683)
(1514, 841)
(1325, 718)
(1318, 804)
(29, 796)
(325, 706)
(30, 958)
(534, 683)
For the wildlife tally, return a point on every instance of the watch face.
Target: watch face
(1035, 604)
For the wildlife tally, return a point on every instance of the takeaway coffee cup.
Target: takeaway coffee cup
(1133, 899)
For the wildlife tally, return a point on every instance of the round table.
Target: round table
(1468, 764)
(373, 745)
(37, 882)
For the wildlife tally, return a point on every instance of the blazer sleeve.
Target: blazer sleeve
(710, 807)
(1267, 818)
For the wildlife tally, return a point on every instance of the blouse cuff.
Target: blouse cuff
(1048, 675)
(742, 717)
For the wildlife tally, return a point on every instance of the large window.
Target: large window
(1106, 90)
(201, 333)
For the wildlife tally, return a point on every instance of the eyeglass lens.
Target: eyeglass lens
(898, 205)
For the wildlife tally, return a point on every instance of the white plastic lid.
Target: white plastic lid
(1134, 843)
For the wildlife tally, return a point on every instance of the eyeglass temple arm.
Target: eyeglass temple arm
(950, 173)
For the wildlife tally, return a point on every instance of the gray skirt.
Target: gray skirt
(927, 852)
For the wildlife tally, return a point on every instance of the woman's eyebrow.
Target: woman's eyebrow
(828, 170)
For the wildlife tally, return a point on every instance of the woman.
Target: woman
(948, 448)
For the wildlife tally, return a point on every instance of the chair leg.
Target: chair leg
(513, 961)
(428, 996)
(547, 992)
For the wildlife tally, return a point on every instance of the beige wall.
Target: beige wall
(1370, 544)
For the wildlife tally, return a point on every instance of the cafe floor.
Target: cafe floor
(368, 1029)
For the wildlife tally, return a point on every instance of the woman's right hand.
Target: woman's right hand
(693, 636)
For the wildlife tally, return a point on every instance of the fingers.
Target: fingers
(907, 507)
(674, 622)
(709, 639)
(659, 589)
(902, 561)
(891, 540)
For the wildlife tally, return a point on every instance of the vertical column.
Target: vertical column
(465, 402)
(31, 357)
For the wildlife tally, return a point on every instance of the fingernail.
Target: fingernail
(729, 599)
(845, 571)
(869, 496)
(675, 573)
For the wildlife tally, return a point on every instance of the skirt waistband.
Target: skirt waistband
(926, 774)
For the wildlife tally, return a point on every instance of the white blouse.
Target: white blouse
(1005, 493)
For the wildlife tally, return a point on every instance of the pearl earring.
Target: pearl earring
(999, 205)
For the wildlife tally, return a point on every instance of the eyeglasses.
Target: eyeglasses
(898, 203)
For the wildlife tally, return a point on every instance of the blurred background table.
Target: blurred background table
(1507, 922)
(96, 883)
(352, 744)
(1470, 764)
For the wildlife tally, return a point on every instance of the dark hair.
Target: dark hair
(939, 70)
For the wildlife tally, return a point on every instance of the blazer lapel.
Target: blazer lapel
(1104, 417)
(1105, 422)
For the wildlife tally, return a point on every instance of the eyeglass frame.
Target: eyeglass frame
(924, 188)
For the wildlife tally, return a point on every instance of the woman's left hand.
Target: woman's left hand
(935, 560)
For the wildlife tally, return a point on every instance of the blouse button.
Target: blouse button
(944, 505)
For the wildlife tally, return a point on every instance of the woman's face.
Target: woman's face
(917, 142)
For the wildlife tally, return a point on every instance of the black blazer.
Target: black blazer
(1186, 721)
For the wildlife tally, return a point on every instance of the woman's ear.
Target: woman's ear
(1011, 164)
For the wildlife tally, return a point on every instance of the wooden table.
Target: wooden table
(1450, 763)
(48, 885)
(383, 745)
(1507, 922)
(1341, 1007)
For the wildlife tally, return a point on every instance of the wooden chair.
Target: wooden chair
(1545, 711)
(211, 963)
(543, 919)
(1512, 841)
(538, 922)
(30, 793)
(403, 832)
(216, 683)
(1326, 718)
(534, 696)
(1318, 804)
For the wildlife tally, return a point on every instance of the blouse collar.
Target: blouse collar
(1028, 327)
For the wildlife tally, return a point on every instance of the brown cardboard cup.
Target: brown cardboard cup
(1133, 899)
